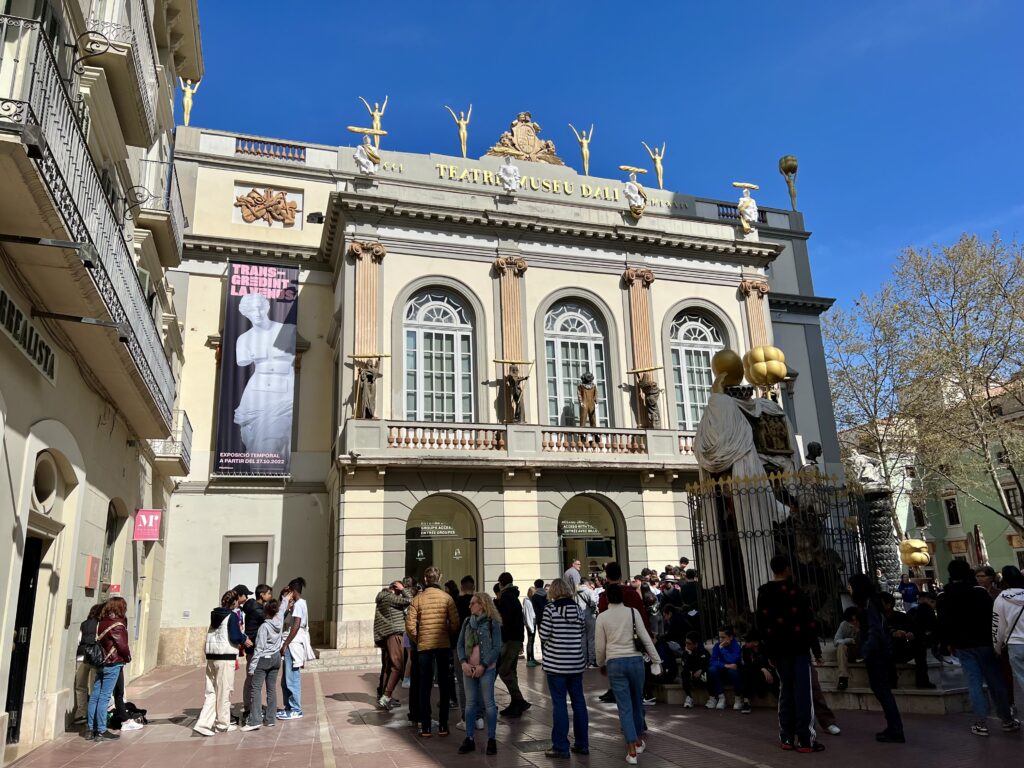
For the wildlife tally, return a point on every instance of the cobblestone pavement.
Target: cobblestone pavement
(342, 729)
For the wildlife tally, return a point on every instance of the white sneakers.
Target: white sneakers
(631, 759)
(131, 725)
(712, 702)
(461, 725)
(641, 747)
(688, 704)
(737, 704)
(721, 702)
(250, 727)
(203, 731)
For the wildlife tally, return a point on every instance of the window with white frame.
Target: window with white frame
(694, 341)
(438, 376)
(574, 343)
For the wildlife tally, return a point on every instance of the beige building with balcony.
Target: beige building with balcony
(430, 269)
(91, 350)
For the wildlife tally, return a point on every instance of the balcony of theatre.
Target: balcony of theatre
(66, 230)
(385, 443)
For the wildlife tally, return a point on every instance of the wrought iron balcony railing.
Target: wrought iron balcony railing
(34, 97)
(126, 22)
(157, 189)
(177, 447)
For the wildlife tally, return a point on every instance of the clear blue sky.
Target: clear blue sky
(906, 116)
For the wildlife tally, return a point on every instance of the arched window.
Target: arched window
(694, 341)
(574, 343)
(438, 358)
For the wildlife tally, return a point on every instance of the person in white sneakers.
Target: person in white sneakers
(620, 630)
(264, 666)
(223, 639)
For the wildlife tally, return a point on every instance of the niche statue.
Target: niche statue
(514, 395)
(366, 396)
(648, 393)
(587, 394)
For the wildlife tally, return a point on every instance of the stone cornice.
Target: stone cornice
(379, 209)
(224, 248)
(806, 305)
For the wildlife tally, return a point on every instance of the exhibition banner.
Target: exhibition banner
(257, 370)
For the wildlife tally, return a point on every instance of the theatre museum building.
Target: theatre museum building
(348, 363)
(350, 321)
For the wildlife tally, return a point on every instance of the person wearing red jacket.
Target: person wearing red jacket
(112, 636)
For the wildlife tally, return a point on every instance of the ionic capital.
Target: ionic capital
(632, 274)
(514, 264)
(758, 287)
(358, 250)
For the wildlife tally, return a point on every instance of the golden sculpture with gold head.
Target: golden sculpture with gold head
(462, 120)
(584, 139)
(376, 113)
(657, 158)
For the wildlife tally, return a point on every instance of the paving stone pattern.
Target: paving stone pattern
(342, 729)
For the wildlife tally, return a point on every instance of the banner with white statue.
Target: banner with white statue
(257, 370)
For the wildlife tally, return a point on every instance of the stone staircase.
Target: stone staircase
(343, 659)
(949, 696)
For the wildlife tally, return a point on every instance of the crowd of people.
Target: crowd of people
(639, 633)
(647, 631)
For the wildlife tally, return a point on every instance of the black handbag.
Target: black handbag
(637, 642)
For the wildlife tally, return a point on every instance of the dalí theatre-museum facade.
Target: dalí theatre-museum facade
(398, 360)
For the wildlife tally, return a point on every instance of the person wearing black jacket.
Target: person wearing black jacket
(790, 632)
(252, 616)
(513, 633)
(907, 645)
(965, 627)
(876, 647)
(85, 672)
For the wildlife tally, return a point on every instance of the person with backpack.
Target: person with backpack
(112, 639)
(223, 639)
(86, 670)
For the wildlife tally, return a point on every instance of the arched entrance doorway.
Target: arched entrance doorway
(442, 532)
(587, 532)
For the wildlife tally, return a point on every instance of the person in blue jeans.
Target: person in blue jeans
(619, 630)
(563, 627)
(112, 637)
(726, 657)
(295, 650)
(965, 627)
(477, 649)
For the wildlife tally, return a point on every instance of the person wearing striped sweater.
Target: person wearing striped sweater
(564, 660)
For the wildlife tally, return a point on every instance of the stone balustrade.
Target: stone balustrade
(396, 442)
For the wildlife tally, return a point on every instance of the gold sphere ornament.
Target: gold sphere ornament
(914, 552)
(765, 366)
(727, 365)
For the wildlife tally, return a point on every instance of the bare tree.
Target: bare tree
(961, 315)
(865, 350)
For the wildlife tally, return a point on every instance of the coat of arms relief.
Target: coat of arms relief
(522, 142)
